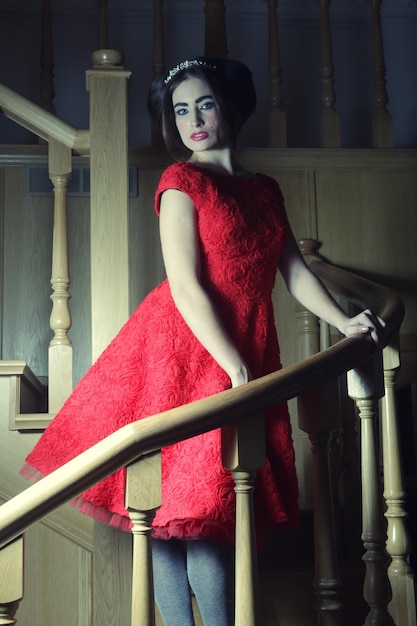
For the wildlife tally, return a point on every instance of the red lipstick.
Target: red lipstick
(199, 135)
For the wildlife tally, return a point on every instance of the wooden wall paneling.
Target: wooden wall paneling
(2, 203)
(112, 581)
(57, 578)
(27, 273)
(367, 222)
(146, 264)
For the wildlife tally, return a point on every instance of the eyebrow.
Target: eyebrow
(200, 99)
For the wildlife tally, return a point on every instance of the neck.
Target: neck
(223, 160)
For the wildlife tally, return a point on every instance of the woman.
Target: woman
(208, 327)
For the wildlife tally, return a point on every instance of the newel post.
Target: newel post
(107, 85)
(243, 447)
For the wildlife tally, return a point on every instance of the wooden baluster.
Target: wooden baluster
(244, 453)
(277, 121)
(60, 348)
(103, 30)
(215, 33)
(47, 90)
(317, 417)
(365, 388)
(350, 473)
(325, 336)
(11, 580)
(403, 603)
(330, 131)
(143, 497)
(308, 343)
(158, 65)
(382, 120)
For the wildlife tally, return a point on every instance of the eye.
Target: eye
(207, 106)
(181, 111)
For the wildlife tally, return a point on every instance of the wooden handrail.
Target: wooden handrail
(150, 434)
(41, 122)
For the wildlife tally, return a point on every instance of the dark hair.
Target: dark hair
(232, 86)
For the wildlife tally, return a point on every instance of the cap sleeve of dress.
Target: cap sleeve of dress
(279, 202)
(176, 176)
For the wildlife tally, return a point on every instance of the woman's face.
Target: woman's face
(197, 116)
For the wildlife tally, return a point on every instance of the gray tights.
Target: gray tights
(201, 565)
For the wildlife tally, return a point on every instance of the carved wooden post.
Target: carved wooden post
(308, 343)
(350, 473)
(277, 121)
(243, 448)
(382, 122)
(47, 90)
(330, 131)
(365, 388)
(11, 580)
(158, 64)
(107, 84)
(403, 603)
(215, 33)
(103, 31)
(60, 348)
(143, 497)
(315, 419)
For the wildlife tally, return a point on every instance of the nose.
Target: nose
(196, 119)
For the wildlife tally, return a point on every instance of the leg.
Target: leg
(210, 572)
(172, 590)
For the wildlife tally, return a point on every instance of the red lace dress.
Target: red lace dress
(155, 363)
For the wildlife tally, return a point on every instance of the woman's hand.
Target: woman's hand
(365, 323)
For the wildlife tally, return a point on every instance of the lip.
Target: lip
(199, 136)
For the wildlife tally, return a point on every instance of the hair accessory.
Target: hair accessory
(184, 66)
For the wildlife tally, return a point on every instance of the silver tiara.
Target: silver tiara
(184, 66)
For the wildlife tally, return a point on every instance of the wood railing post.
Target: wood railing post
(60, 349)
(215, 44)
(382, 119)
(143, 497)
(243, 447)
(158, 59)
(403, 604)
(330, 130)
(11, 580)
(277, 122)
(365, 388)
(315, 418)
(47, 90)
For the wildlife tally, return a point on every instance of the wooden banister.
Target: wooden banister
(41, 122)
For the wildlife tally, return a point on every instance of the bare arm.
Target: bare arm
(310, 292)
(182, 264)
